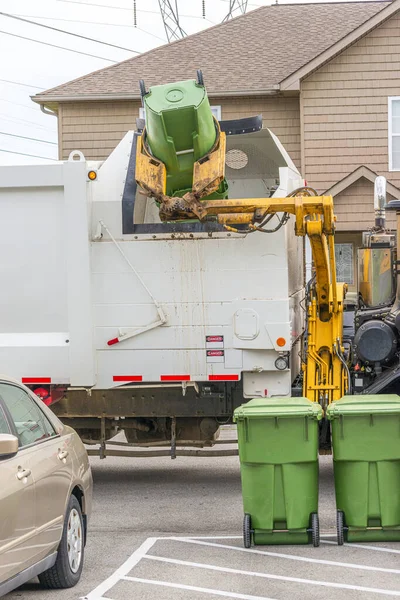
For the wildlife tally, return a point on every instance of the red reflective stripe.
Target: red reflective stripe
(36, 380)
(175, 378)
(223, 378)
(127, 378)
(112, 342)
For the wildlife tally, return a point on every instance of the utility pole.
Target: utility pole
(170, 17)
(234, 5)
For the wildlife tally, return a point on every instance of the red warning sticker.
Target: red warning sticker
(215, 353)
(212, 339)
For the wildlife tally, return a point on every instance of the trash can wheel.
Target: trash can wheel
(200, 79)
(247, 531)
(340, 527)
(315, 529)
(143, 91)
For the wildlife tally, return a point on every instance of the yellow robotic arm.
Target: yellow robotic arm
(325, 370)
(326, 376)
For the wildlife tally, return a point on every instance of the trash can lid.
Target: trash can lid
(364, 404)
(278, 407)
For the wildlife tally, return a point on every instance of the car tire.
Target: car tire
(67, 569)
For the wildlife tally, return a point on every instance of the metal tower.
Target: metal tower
(234, 5)
(170, 17)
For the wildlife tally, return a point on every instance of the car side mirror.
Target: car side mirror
(8, 445)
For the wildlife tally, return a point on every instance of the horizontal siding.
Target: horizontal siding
(96, 128)
(354, 208)
(345, 116)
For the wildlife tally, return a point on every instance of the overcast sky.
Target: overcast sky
(36, 66)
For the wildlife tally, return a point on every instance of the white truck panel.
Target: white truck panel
(189, 306)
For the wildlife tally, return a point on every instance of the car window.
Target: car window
(4, 427)
(30, 422)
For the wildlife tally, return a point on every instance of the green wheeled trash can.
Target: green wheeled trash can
(366, 455)
(278, 450)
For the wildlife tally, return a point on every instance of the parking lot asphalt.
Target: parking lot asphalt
(165, 529)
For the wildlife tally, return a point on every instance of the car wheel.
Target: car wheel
(67, 569)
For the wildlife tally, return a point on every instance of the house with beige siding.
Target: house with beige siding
(325, 77)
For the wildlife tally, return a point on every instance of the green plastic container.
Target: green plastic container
(366, 452)
(278, 450)
(180, 130)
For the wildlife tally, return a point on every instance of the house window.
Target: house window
(394, 133)
(216, 111)
(344, 263)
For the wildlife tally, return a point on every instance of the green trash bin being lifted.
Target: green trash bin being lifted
(366, 455)
(278, 450)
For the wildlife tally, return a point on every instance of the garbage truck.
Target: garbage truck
(154, 292)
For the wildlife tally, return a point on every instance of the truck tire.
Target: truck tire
(67, 569)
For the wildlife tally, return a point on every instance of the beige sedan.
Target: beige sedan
(45, 493)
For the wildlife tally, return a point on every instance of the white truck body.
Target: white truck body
(186, 307)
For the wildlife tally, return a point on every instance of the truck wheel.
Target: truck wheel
(315, 529)
(67, 569)
(247, 531)
(340, 527)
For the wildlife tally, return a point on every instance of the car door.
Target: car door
(52, 464)
(17, 508)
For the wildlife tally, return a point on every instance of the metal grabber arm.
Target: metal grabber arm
(326, 376)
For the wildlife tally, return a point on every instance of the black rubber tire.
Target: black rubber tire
(315, 529)
(61, 576)
(200, 79)
(340, 527)
(247, 531)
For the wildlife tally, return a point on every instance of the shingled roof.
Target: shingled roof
(250, 54)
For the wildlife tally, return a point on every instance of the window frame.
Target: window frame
(11, 422)
(391, 99)
(353, 266)
(7, 417)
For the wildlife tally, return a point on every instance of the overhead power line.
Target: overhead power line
(35, 124)
(84, 37)
(24, 154)
(23, 137)
(22, 37)
(19, 104)
(23, 84)
(100, 23)
(142, 10)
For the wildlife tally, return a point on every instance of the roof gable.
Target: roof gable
(359, 173)
(292, 82)
(248, 55)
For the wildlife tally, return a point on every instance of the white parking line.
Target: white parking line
(364, 547)
(319, 561)
(124, 569)
(121, 574)
(270, 576)
(193, 588)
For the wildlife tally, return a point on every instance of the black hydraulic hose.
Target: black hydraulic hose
(268, 216)
(341, 358)
(304, 188)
